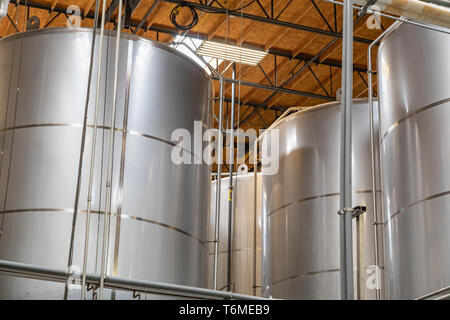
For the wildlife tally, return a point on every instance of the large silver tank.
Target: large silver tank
(300, 204)
(242, 269)
(164, 206)
(414, 78)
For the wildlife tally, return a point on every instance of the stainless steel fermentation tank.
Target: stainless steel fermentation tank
(414, 90)
(164, 206)
(243, 265)
(300, 204)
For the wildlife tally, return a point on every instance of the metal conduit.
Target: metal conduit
(230, 187)
(108, 201)
(94, 139)
(346, 239)
(60, 275)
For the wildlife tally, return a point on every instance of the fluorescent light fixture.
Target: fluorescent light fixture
(194, 44)
(231, 53)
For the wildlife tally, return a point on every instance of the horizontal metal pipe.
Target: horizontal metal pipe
(422, 11)
(25, 270)
(253, 105)
(438, 294)
(401, 19)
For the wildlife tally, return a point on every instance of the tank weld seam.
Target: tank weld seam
(303, 200)
(305, 275)
(411, 114)
(317, 197)
(235, 250)
(125, 216)
(434, 196)
(79, 125)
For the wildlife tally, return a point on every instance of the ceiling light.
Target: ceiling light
(194, 43)
(231, 53)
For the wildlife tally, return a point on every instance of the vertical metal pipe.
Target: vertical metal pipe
(255, 210)
(346, 241)
(110, 159)
(230, 187)
(360, 261)
(122, 161)
(82, 147)
(218, 187)
(94, 141)
(372, 160)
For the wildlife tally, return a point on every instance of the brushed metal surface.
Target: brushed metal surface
(243, 246)
(300, 204)
(414, 73)
(165, 206)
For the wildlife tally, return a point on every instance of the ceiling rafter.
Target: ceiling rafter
(289, 42)
(266, 20)
(292, 84)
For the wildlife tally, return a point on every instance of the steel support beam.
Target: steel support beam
(321, 14)
(254, 105)
(141, 24)
(247, 16)
(277, 89)
(113, 6)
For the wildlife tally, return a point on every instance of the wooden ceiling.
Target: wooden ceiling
(290, 47)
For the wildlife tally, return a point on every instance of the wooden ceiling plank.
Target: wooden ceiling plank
(151, 18)
(298, 51)
(297, 16)
(88, 7)
(326, 82)
(337, 44)
(53, 4)
(213, 31)
(9, 27)
(279, 5)
(5, 23)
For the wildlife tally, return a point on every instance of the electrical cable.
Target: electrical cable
(176, 11)
(195, 18)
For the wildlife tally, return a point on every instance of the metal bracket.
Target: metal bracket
(33, 23)
(356, 211)
(359, 210)
(137, 294)
(92, 287)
